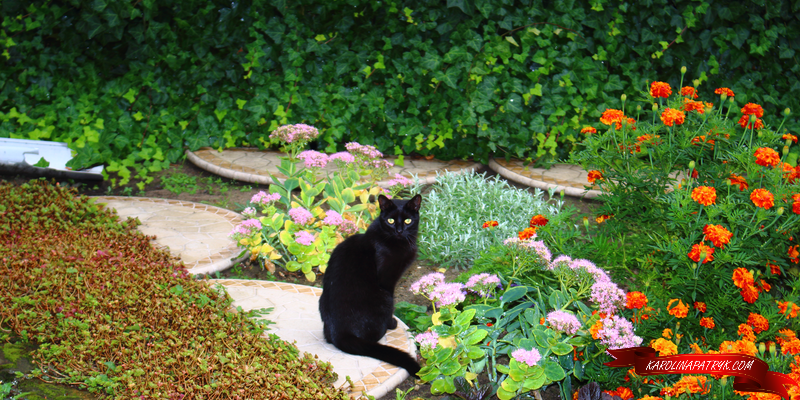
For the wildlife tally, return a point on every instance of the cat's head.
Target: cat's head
(399, 218)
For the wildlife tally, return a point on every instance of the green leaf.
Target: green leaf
(130, 95)
(465, 317)
(42, 163)
(561, 349)
(537, 90)
(553, 371)
(220, 114)
(514, 293)
(450, 367)
(431, 61)
(476, 337)
(504, 394)
(239, 103)
(511, 40)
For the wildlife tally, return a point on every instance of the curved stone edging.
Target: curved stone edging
(209, 230)
(293, 300)
(538, 177)
(232, 167)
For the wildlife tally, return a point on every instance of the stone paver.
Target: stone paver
(296, 317)
(196, 233)
(569, 178)
(252, 165)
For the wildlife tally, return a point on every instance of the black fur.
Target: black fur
(357, 302)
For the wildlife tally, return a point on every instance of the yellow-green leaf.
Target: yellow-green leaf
(511, 40)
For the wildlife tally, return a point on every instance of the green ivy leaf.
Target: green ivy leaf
(130, 95)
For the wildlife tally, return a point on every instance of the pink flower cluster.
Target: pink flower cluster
(304, 238)
(314, 159)
(482, 284)
(348, 227)
(447, 294)
(363, 149)
(342, 156)
(246, 228)
(427, 340)
(332, 218)
(249, 212)
(617, 333)
(300, 215)
(608, 296)
(400, 180)
(529, 357)
(293, 133)
(262, 198)
(427, 283)
(537, 246)
(564, 322)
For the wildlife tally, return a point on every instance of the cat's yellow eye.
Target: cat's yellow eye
(390, 221)
(407, 221)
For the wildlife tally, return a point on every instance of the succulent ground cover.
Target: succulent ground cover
(114, 315)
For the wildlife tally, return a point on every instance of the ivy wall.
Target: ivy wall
(134, 83)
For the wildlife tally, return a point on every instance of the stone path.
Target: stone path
(197, 234)
(569, 178)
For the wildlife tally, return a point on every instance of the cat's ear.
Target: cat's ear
(385, 203)
(414, 203)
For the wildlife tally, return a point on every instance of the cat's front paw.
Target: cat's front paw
(392, 324)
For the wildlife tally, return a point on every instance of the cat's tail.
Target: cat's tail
(352, 344)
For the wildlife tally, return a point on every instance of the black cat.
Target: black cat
(357, 302)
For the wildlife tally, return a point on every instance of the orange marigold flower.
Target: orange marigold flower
(648, 137)
(762, 198)
(791, 347)
(603, 218)
(699, 249)
(744, 122)
(691, 105)
(746, 332)
(749, 294)
(636, 300)
(696, 348)
(648, 397)
(490, 224)
(664, 347)
(689, 91)
(738, 180)
(763, 286)
(796, 207)
(692, 384)
(704, 195)
(611, 117)
(789, 136)
(594, 175)
(588, 129)
(788, 171)
(793, 253)
(707, 322)
(700, 306)
(538, 220)
(767, 157)
(724, 90)
(699, 140)
(742, 278)
(671, 116)
(785, 335)
(790, 307)
(667, 333)
(660, 89)
(774, 269)
(595, 329)
(758, 322)
(527, 233)
(718, 235)
(753, 109)
(680, 310)
(624, 393)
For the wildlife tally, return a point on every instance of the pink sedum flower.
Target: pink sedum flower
(608, 296)
(427, 340)
(304, 238)
(564, 322)
(529, 357)
(617, 333)
(314, 159)
(300, 215)
(427, 283)
(294, 133)
(400, 180)
(343, 157)
(262, 198)
(482, 283)
(333, 218)
(246, 228)
(448, 294)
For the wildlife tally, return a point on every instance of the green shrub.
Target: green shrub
(132, 84)
(458, 205)
(114, 315)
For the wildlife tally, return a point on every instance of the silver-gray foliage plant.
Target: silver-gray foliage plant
(453, 213)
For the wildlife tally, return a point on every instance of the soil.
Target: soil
(225, 193)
